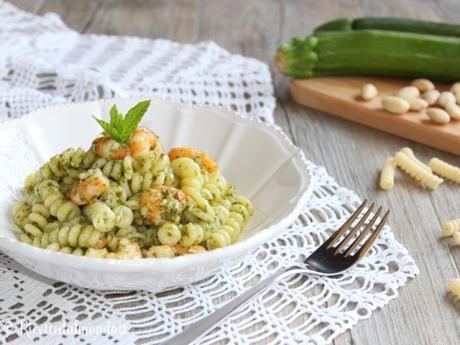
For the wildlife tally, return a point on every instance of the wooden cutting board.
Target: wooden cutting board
(340, 96)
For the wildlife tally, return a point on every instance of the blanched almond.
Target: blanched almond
(431, 96)
(453, 110)
(423, 85)
(395, 105)
(438, 115)
(368, 91)
(455, 88)
(408, 92)
(417, 104)
(445, 98)
(457, 97)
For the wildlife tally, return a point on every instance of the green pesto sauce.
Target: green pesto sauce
(171, 207)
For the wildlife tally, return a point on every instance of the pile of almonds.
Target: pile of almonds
(441, 107)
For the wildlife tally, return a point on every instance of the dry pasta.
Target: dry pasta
(450, 227)
(408, 151)
(387, 175)
(128, 200)
(445, 170)
(415, 171)
(454, 287)
(456, 238)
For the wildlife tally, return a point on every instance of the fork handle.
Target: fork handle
(201, 327)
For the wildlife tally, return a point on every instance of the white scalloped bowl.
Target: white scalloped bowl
(258, 158)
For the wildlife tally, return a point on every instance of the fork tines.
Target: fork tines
(338, 246)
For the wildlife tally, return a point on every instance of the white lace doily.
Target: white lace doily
(43, 62)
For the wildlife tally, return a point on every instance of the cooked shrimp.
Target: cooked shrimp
(91, 187)
(126, 249)
(102, 243)
(161, 251)
(196, 249)
(202, 158)
(107, 147)
(182, 250)
(162, 203)
(166, 251)
(142, 141)
(179, 249)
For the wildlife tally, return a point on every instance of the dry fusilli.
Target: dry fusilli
(445, 170)
(415, 171)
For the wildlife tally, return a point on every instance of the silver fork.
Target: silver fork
(333, 257)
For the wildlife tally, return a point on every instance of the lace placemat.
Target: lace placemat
(43, 62)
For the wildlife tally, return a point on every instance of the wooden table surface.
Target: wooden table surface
(351, 153)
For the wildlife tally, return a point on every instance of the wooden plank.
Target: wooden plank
(177, 21)
(76, 14)
(27, 5)
(340, 96)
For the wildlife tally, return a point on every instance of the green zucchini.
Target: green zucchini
(339, 24)
(371, 52)
(391, 24)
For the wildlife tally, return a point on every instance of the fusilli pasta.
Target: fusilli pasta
(456, 237)
(169, 234)
(77, 235)
(191, 179)
(454, 287)
(215, 188)
(101, 215)
(58, 206)
(64, 165)
(409, 153)
(20, 213)
(450, 227)
(231, 229)
(445, 170)
(387, 175)
(115, 169)
(415, 171)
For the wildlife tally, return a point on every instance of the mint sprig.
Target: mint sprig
(122, 127)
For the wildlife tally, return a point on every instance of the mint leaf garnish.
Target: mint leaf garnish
(122, 127)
